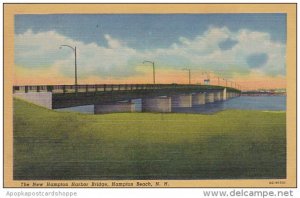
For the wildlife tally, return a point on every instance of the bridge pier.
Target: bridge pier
(184, 100)
(221, 96)
(232, 95)
(118, 107)
(198, 99)
(224, 94)
(217, 96)
(209, 97)
(157, 104)
(228, 95)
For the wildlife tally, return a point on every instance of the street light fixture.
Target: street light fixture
(187, 69)
(74, 50)
(153, 69)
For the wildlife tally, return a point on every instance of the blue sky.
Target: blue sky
(115, 45)
(149, 30)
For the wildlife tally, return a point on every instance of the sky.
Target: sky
(248, 49)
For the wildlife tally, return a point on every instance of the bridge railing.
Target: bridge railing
(97, 87)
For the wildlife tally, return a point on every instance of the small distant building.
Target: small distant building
(206, 81)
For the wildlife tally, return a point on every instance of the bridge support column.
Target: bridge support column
(117, 107)
(224, 94)
(217, 96)
(157, 104)
(182, 100)
(198, 99)
(209, 97)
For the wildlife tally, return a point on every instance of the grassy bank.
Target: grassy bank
(67, 145)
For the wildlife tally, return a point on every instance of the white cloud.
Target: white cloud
(112, 43)
(117, 59)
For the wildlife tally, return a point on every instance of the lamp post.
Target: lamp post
(225, 81)
(189, 70)
(207, 77)
(153, 69)
(74, 50)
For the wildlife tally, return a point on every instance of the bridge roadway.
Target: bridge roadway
(63, 96)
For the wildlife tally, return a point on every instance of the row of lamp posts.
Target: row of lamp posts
(146, 61)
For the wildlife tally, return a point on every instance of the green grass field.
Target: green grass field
(67, 145)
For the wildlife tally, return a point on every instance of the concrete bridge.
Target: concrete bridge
(155, 97)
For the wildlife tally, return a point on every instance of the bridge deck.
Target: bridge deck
(57, 89)
(67, 96)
